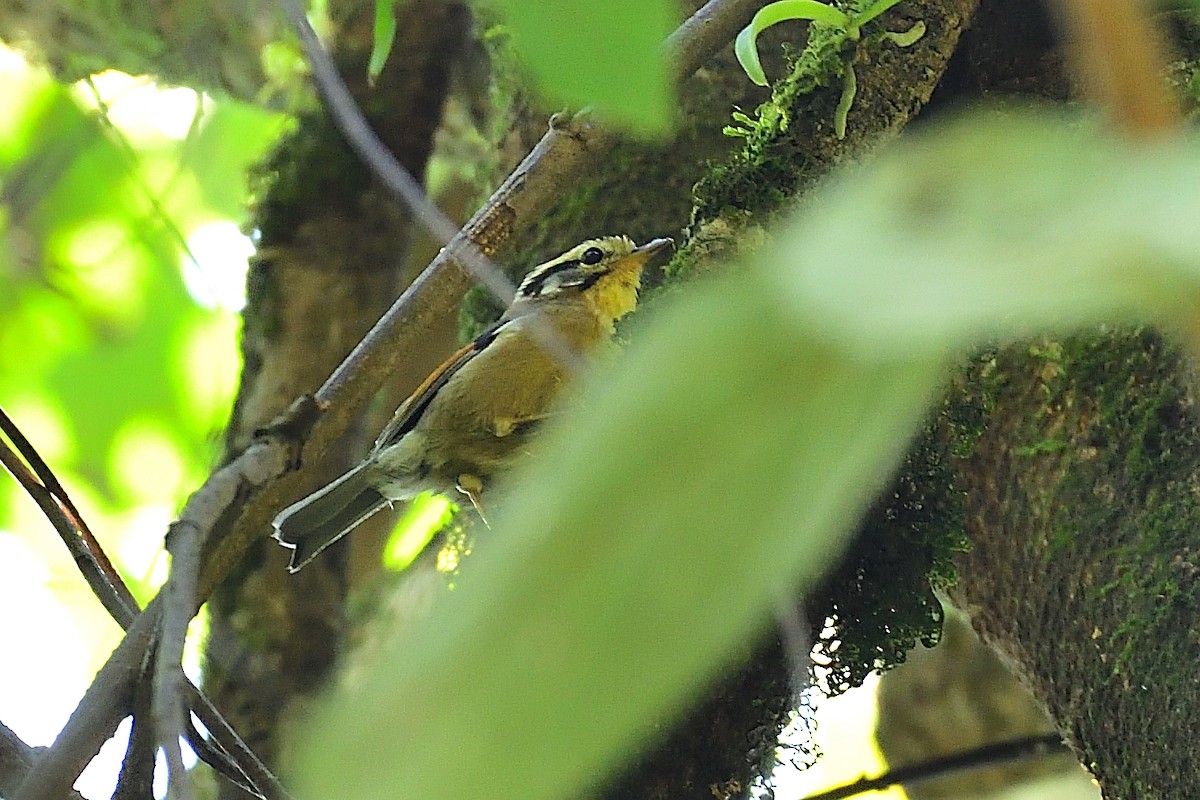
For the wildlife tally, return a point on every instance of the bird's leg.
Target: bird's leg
(504, 426)
(472, 487)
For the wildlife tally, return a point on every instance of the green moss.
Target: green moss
(775, 154)
(1062, 538)
(309, 171)
(883, 600)
(1117, 412)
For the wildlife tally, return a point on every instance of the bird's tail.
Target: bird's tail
(310, 525)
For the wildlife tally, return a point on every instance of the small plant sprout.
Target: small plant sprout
(849, 25)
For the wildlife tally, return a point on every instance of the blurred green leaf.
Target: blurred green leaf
(646, 545)
(996, 225)
(608, 55)
(725, 460)
(230, 138)
(96, 315)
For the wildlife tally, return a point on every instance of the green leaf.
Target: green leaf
(385, 34)
(608, 55)
(724, 461)
(745, 47)
(995, 225)
(644, 547)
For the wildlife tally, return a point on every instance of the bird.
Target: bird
(474, 415)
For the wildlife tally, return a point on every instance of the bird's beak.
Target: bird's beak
(640, 255)
(652, 248)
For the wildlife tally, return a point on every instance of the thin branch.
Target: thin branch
(46, 490)
(15, 759)
(353, 124)
(703, 33)
(344, 111)
(167, 700)
(1121, 60)
(133, 164)
(986, 756)
(40, 483)
(257, 779)
(136, 779)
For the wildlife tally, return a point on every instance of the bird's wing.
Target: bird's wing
(410, 411)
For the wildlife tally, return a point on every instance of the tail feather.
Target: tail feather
(310, 525)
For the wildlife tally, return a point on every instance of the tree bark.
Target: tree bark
(1080, 509)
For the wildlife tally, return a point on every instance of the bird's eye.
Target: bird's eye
(593, 255)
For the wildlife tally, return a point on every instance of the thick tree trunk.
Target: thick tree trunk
(1081, 508)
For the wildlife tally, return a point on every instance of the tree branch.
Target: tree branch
(109, 587)
(986, 756)
(15, 759)
(40, 483)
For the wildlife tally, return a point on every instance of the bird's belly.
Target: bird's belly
(481, 454)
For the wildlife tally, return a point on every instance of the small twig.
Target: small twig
(986, 756)
(351, 121)
(133, 164)
(136, 779)
(349, 118)
(116, 598)
(1120, 59)
(257, 778)
(167, 701)
(40, 483)
(703, 33)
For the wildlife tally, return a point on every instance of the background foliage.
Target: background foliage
(119, 255)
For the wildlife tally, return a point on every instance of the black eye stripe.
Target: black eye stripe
(534, 287)
(589, 281)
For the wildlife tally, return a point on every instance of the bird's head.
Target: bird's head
(604, 272)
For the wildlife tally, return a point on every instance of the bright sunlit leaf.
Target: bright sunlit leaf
(423, 518)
